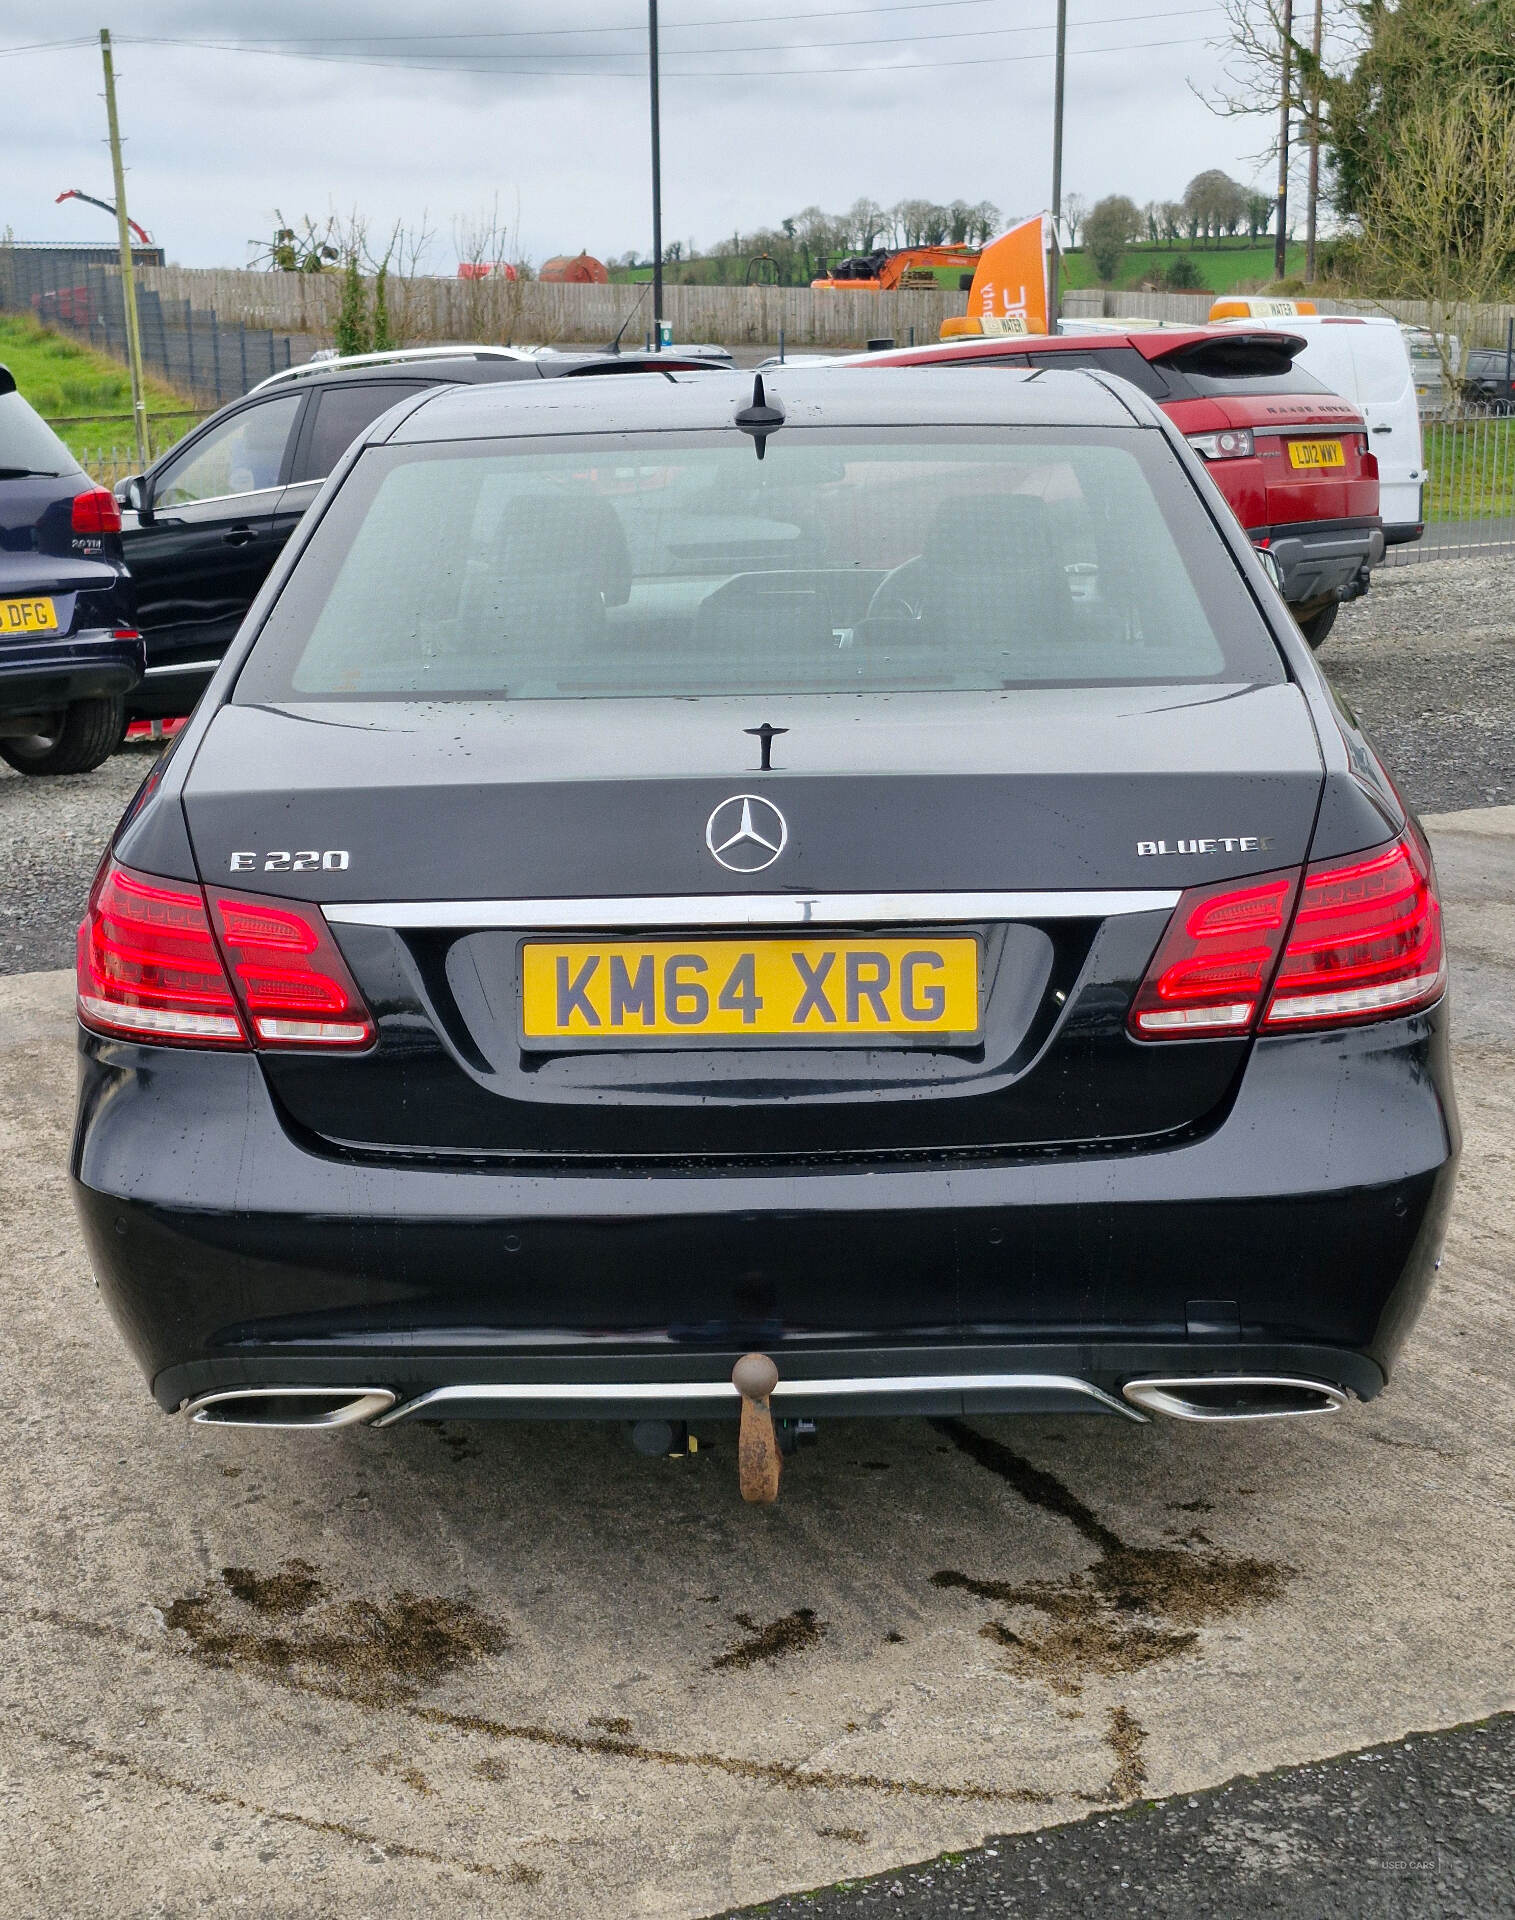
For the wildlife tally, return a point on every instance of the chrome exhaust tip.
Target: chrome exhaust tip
(1234, 1396)
(289, 1407)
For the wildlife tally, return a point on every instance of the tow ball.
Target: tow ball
(758, 1458)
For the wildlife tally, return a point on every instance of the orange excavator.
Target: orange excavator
(881, 272)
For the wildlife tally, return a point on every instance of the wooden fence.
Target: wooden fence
(538, 312)
(1482, 325)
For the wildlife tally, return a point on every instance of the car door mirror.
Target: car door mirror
(136, 493)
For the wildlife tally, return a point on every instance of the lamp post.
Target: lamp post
(657, 179)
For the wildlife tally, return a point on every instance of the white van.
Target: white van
(1364, 358)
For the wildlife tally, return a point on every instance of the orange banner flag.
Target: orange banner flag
(1009, 292)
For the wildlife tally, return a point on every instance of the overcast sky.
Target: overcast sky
(934, 102)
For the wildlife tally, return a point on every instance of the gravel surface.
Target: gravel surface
(1427, 660)
(1426, 1826)
(52, 833)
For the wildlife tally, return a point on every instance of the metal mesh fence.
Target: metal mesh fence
(1469, 499)
(190, 347)
(108, 464)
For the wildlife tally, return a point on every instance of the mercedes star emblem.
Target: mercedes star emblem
(746, 833)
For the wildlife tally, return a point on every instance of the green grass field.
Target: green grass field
(1471, 464)
(1220, 269)
(73, 386)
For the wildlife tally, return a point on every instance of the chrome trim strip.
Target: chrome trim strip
(1308, 430)
(362, 1404)
(847, 1389)
(753, 909)
(1167, 1396)
(184, 666)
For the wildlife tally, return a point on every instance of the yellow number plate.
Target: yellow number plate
(1316, 453)
(722, 990)
(28, 616)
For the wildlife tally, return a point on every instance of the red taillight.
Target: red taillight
(95, 511)
(150, 966)
(290, 978)
(1366, 941)
(1213, 966)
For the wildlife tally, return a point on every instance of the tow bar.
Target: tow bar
(757, 1455)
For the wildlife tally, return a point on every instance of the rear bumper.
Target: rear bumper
(1323, 560)
(39, 676)
(1299, 1236)
(171, 688)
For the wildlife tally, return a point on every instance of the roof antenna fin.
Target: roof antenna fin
(760, 419)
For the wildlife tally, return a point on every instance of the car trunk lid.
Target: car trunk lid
(442, 837)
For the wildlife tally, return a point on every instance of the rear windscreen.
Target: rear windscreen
(870, 561)
(27, 443)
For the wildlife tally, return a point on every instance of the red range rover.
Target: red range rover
(1291, 457)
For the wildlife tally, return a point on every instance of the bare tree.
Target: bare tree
(866, 223)
(1170, 220)
(396, 270)
(984, 221)
(491, 281)
(1268, 71)
(912, 220)
(1214, 204)
(1075, 212)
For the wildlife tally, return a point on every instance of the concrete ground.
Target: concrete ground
(519, 1669)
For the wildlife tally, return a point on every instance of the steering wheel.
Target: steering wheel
(898, 595)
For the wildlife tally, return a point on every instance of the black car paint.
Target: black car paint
(459, 805)
(1304, 1192)
(94, 650)
(1488, 375)
(237, 1252)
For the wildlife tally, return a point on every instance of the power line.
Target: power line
(749, 20)
(47, 46)
(630, 73)
(292, 41)
(637, 53)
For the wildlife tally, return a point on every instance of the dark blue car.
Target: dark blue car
(69, 647)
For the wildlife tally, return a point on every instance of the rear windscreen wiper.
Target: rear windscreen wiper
(29, 473)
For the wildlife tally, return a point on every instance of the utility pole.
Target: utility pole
(1280, 239)
(657, 180)
(123, 232)
(1054, 292)
(1314, 188)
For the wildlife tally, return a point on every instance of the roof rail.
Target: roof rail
(460, 351)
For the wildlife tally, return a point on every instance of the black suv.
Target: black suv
(69, 649)
(206, 521)
(1489, 377)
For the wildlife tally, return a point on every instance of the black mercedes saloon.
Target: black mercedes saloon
(859, 870)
